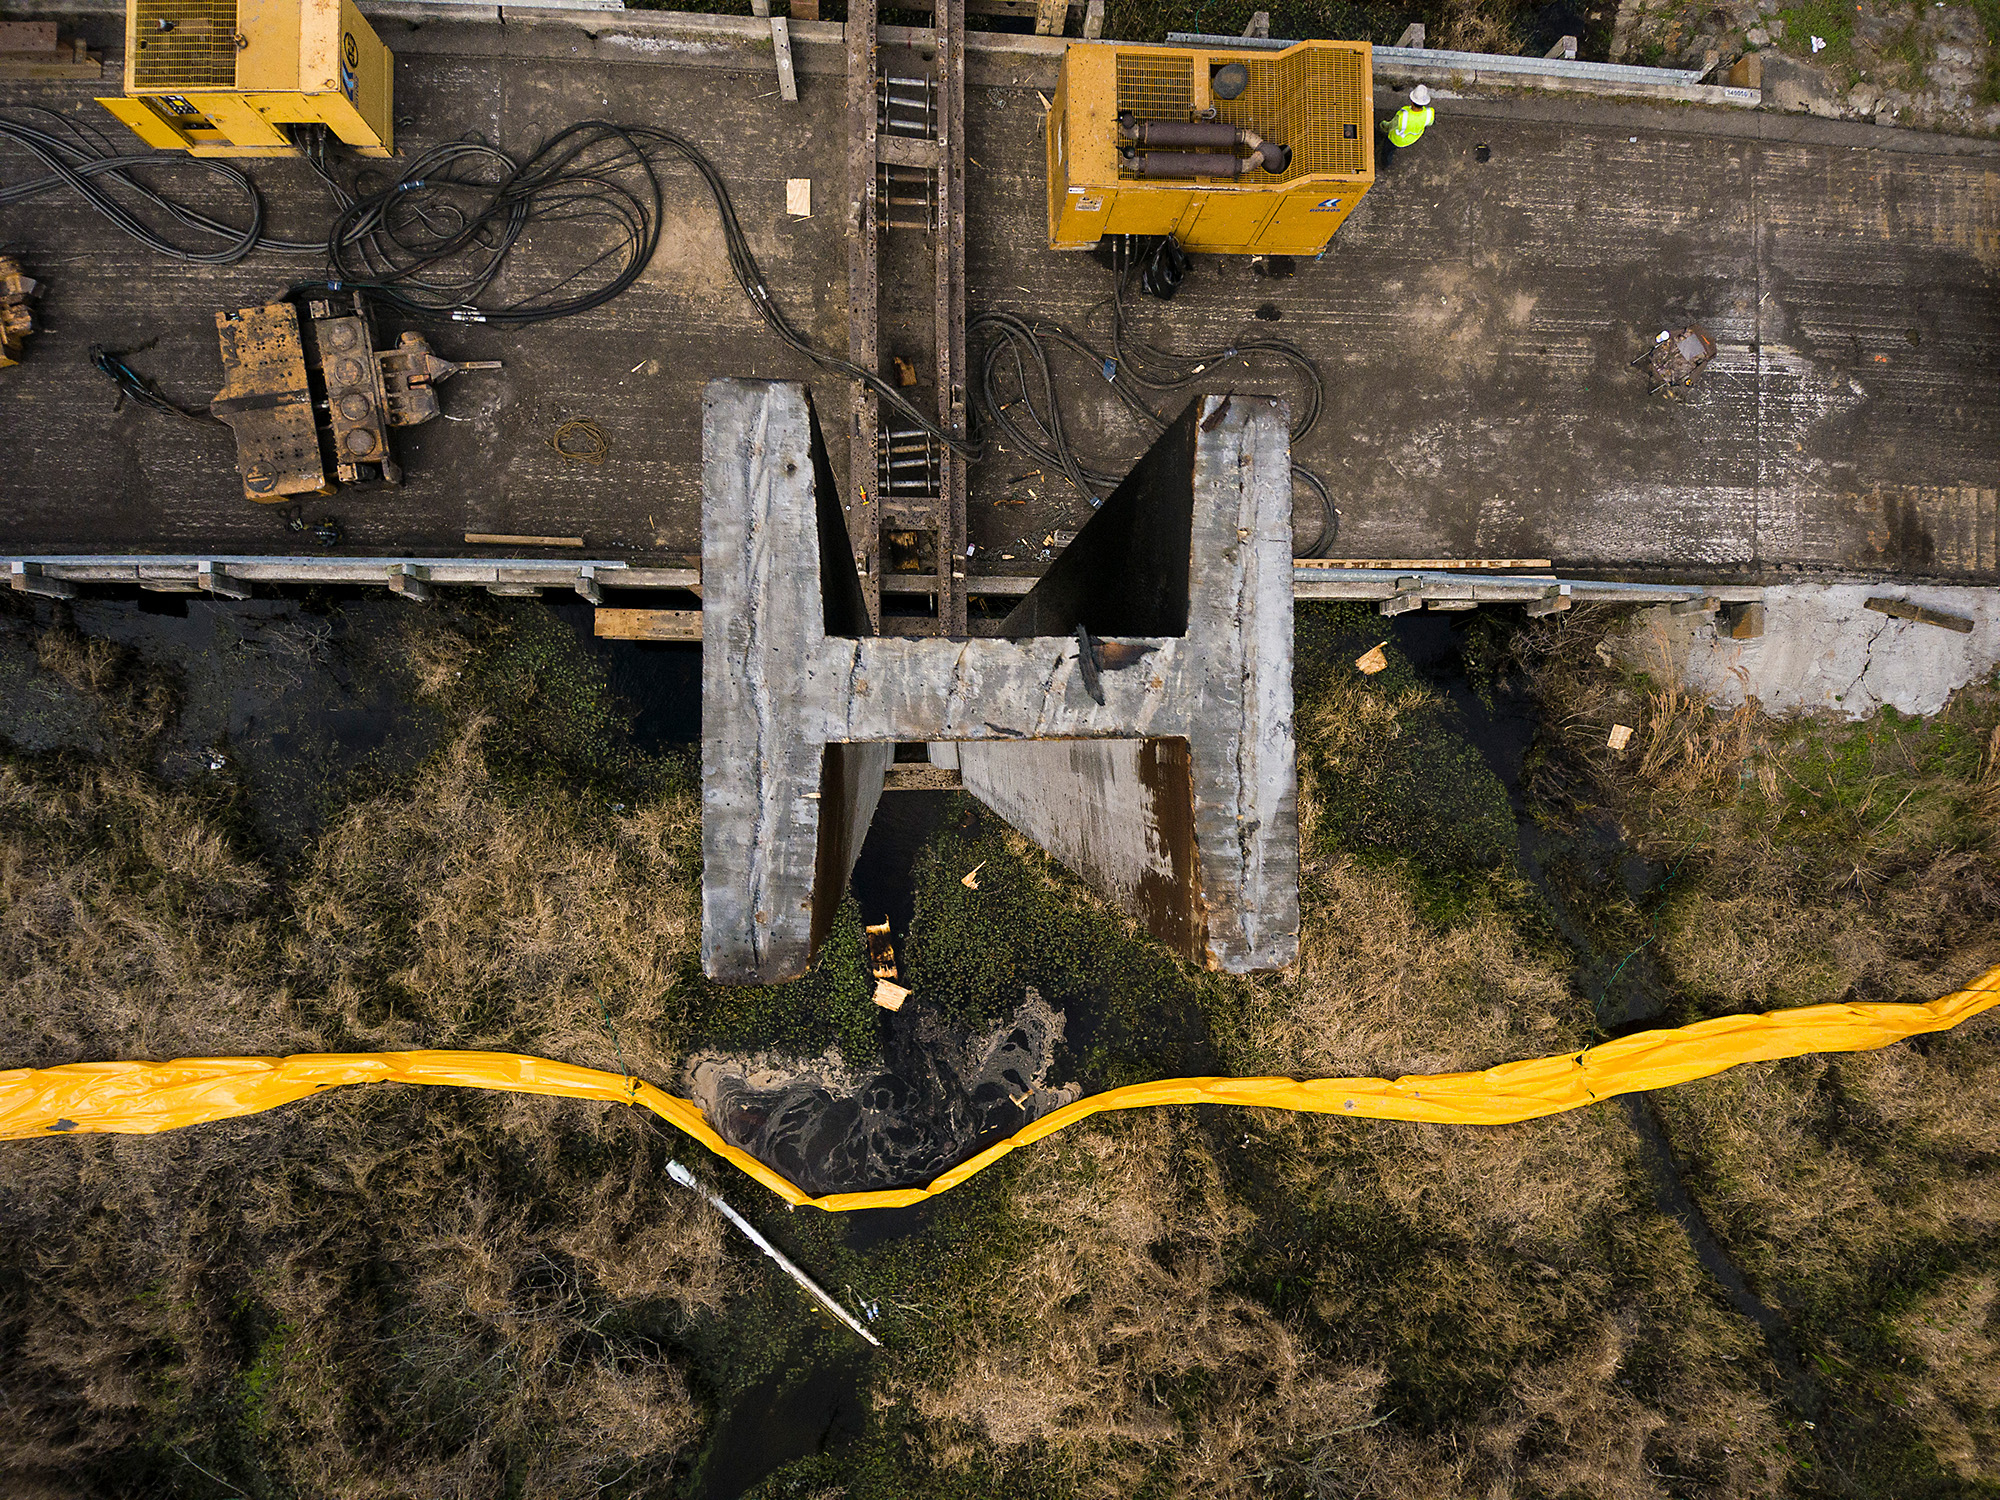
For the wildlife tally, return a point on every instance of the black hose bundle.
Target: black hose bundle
(84, 163)
(434, 242)
(1137, 372)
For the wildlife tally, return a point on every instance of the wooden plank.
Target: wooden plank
(647, 624)
(1051, 16)
(1019, 9)
(1902, 609)
(499, 539)
(781, 45)
(1432, 564)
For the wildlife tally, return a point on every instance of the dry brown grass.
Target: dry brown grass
(467, 914)
(1379, 990)
(1817, 1167)
(1955, 1398)
(1127, 1342)
(1128, 1351)
(1477, 26)
(378, 1293)
(130, 926)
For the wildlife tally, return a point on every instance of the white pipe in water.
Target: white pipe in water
(686, 1179)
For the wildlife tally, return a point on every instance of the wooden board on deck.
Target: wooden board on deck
(648, 624)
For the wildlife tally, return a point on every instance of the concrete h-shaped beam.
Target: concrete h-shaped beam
(1135, 718)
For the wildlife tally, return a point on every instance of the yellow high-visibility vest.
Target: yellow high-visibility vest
(1406, 126)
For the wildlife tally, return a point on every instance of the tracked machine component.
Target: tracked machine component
(279, 374)
(1231, 153)
(227, 77)
(18, 291)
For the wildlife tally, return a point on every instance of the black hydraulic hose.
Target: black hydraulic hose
(1028, 416)
(434, 241)
(102, 178)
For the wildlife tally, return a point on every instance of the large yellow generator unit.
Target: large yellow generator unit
(1231, 152)
(224, 77)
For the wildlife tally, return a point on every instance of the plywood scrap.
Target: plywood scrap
(1371, 661)
(647, 624)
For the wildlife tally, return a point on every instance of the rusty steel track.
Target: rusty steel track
(906, 172)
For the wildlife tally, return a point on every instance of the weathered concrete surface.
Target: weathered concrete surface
(1822, 650)
(1117, 812)
(780, 691)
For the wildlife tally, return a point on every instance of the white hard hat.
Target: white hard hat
(1420, 96)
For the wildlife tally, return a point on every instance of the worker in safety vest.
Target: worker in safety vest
(1406, 126)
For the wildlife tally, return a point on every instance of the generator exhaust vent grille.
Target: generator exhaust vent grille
(1156, 86)
(185, 44)
(1317, 102)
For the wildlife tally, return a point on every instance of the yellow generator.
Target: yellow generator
(1231, 152)
(224, 77)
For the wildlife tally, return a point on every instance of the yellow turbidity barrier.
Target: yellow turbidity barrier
(138, 1098)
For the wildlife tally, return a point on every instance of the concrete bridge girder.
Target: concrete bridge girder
(1162, 770)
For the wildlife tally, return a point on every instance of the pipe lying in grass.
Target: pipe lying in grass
(139, 1098)
(786, 1264)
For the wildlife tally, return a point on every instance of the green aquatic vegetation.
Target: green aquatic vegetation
(831, 1006)
(1135, 1011)
(1394, 773)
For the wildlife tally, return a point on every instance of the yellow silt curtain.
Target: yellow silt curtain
(139, 1098)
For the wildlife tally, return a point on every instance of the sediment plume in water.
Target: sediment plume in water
(936, 1099)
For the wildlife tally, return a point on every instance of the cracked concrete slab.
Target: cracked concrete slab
(1823, 650)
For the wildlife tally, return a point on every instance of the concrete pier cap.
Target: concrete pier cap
(1134, 718)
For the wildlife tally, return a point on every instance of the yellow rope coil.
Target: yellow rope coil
(139, 1098)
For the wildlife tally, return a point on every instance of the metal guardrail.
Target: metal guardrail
(1390, 59)
(57, 576)
(1436, 65)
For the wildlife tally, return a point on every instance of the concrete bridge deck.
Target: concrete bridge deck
(1474, 319)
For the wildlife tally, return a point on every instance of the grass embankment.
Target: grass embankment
(395, 1292)
(1818, 862)
(402, 1291)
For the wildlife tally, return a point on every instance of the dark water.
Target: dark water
(885, 880)
(290, 698)
(1574, 868)
(801, 1411)
(659, 681)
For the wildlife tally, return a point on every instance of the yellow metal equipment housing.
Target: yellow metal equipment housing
(223, 77)
(1316, 97)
